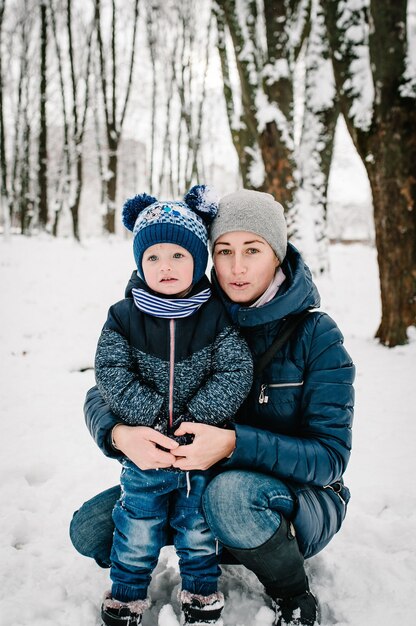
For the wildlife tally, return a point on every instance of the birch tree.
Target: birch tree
(376, 84)
(190, 72)
(114, 104)
(180, 43)
(74, 80)
(22, 183)
(315, 149)
(152, 29)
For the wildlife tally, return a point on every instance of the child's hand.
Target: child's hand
(177, 421)
(141, 444)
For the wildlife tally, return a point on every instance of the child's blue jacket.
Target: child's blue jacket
(155, 371)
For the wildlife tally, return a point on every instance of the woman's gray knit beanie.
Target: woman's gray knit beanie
(255, 212)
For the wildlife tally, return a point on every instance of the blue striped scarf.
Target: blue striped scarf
(169, 308)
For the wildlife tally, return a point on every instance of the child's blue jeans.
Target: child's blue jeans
(154, 503)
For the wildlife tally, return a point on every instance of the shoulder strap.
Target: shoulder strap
(288, 327)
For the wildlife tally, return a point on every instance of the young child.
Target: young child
(167, 354)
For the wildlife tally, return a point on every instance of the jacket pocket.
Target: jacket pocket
(278, 405)
(264, 389)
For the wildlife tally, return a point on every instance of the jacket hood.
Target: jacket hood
(297, 293)
(136, 282)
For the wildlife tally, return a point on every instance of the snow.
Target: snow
(257, 171)
(267, 112)
(55, 298)
(350, 211)
(273, 73)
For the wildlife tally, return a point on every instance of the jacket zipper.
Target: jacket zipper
(264, 398)
(171, 385)
(171, 370)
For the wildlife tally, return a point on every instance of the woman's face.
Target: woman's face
(245, 265)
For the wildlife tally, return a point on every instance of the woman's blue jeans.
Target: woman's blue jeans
(243, 509)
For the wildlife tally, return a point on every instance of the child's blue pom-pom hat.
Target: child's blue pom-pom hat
(184, 223)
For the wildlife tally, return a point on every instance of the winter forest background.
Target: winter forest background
(101, 99)
(313, 101)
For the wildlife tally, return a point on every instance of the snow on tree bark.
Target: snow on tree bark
(263, 135)
(266, 38)
(314, 153)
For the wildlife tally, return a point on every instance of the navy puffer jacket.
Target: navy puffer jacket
(302, 432)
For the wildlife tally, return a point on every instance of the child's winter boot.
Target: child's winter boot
(201, 610)
(116, 613)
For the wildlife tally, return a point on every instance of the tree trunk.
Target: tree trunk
(21, 183)
(392, 175)
(63, 181)
(264, 134)
(278, 164)
(243, 130)
(114, 121)
(197, 155)
(26, 208)
(4, 195)
(151, 28)
(74, 208)
(43, 130)
(393, 184)
(111, 182)
(276, 139)
(166, 170)
(384, 134)
(315, 150)
(15, 181)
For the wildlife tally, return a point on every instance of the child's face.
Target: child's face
(168, 268)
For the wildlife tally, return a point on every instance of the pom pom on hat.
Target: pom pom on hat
(133, 206)
(203, 201)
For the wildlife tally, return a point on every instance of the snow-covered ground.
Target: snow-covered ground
(55, 299)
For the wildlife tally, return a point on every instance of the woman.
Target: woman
(279, 496)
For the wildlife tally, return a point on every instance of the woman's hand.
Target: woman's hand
(139, 444)
(210, 445)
